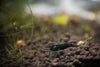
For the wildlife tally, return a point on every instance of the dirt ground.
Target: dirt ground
(81, 56)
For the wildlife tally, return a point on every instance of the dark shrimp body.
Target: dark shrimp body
(59, 46)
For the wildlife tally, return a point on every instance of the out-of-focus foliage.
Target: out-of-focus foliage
(86, 27)
(12, 51)
(10, 14)
(60, 19)
(11, 18)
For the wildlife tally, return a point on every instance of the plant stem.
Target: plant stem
(32, 21)
(87, 41)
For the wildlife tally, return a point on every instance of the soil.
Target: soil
(82, 56)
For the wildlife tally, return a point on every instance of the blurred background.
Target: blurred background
(41, 19)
